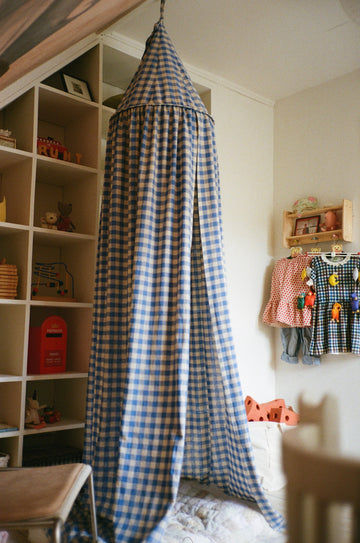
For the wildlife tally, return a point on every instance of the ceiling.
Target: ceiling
(33, 32)
(273, 48)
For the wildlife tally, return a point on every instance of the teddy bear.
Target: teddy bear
(64, 222)
(49, 220)
(331, 221)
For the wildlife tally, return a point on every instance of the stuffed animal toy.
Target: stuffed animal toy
(331, 221)
(64, 222)
(32, 415)
(49, 220)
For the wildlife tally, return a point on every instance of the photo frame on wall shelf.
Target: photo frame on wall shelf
(307, 225)
(77, 87)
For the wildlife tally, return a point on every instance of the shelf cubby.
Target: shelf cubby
(86, 67)
(18, 117)
(56, 181)
(78, 321)
(72, 121)
(10, 403)
(64, 395)
(73, 253)
(14, 247)
(59, 447)
(10, 444)
(12, 334)
(16, 177)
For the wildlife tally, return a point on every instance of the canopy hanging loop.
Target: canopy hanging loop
(162, 9)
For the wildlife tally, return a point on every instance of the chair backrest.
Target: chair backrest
(319, 478)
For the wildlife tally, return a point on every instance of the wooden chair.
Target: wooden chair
(43, 497)
(319, 477)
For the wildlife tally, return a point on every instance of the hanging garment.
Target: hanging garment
(293, 339)
(335, 329)
(286, 286)
(164, 397)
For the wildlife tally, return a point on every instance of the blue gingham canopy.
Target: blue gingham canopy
(164, 397)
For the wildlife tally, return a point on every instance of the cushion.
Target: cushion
(266, 441)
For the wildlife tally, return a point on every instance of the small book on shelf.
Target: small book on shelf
(4, 427)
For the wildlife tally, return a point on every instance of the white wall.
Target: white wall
(317, 153)
(244, 135)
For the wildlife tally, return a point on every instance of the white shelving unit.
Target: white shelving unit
(33, 184)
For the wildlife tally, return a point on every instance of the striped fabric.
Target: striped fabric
(164, 397)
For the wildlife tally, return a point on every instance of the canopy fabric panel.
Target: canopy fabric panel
(164, 397)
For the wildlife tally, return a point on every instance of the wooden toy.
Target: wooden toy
(55, 149)
(52, 148)
(52, 282)
(47, 347)
(8, 280)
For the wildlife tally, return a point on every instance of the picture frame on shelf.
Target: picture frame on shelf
(77, 87)
(307, 225)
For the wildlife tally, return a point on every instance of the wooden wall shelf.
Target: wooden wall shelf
(344, 233)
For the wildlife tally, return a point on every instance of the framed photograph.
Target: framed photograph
(307, 225)
(76, 86)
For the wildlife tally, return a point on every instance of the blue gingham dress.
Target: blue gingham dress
(329, 336)
(164, 397)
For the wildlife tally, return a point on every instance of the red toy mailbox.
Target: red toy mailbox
(47, 347)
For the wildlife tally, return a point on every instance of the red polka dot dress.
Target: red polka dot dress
(286, 286)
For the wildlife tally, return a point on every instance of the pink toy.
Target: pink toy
(331, 221)
(287, 416)
(261, 412)
(274, 411)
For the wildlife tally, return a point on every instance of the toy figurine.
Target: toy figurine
(310, 299)
(49, 220)
(331, 221)
(335, 312)
(32, 416)
(333, 279)
(51, 416)
(301, 301)
(354, 303)
(64, 222)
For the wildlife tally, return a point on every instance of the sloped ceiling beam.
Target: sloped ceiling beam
(33, 32)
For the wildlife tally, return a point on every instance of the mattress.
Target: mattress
(205, 514)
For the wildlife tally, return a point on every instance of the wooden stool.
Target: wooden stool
(43, 497)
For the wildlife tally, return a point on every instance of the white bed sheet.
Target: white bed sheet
(204, 514)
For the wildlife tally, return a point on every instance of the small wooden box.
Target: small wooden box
(47, 347)
(8, 141)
